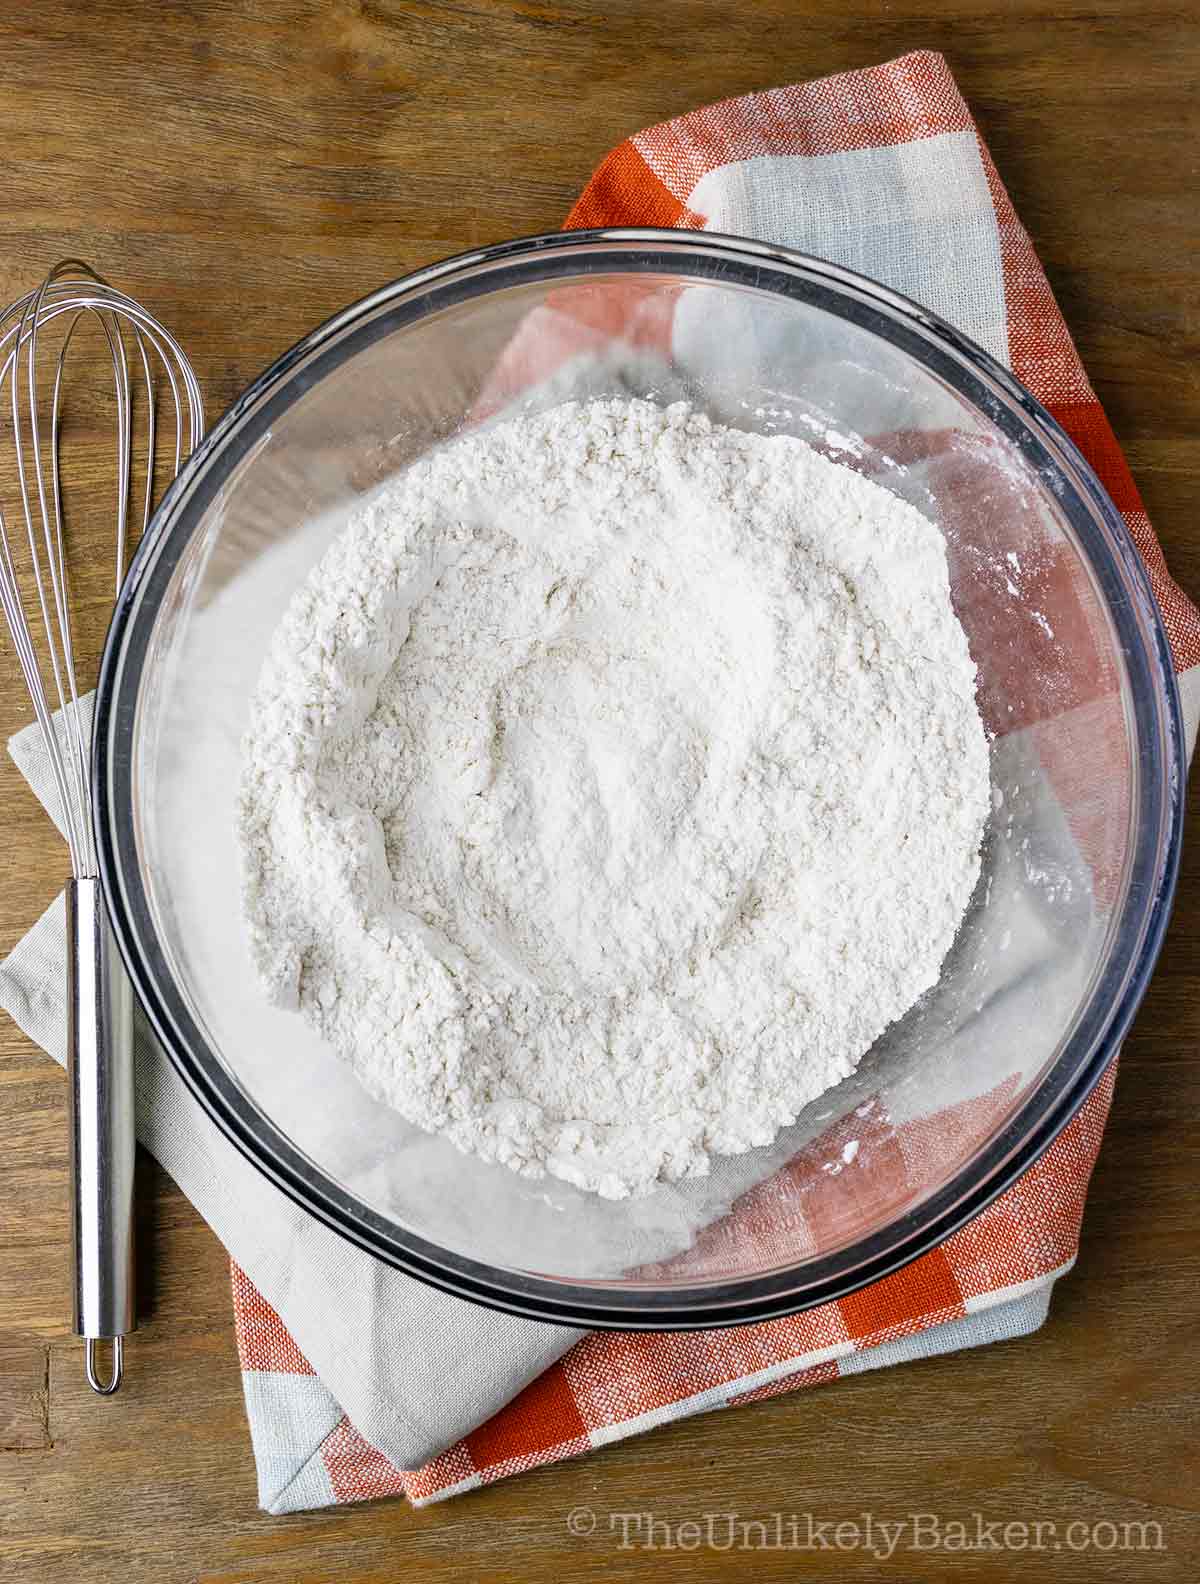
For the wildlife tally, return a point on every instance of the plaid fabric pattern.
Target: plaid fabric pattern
(993, 1277)
(617, 1384)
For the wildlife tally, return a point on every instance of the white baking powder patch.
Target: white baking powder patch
(611, 785)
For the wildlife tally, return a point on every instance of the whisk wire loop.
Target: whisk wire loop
(38, 608)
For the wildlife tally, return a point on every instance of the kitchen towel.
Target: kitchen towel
(360, 1382)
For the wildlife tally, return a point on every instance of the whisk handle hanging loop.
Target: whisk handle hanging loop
(100, 1069)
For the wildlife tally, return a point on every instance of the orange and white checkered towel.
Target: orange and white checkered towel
(874, 170)
(359, 1382)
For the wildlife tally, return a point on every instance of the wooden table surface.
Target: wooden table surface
(247, 167)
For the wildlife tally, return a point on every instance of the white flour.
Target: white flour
(611, 785)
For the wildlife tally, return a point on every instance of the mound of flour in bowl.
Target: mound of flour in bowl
(612, 783)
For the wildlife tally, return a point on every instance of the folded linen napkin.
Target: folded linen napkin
(360, 1382)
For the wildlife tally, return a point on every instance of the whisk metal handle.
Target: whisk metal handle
(100, 1067)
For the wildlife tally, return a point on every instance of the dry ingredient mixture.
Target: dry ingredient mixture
(613, 782)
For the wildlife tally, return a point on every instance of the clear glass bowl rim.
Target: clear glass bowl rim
(1156, 720)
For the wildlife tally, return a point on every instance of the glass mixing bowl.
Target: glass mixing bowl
(1075, 684)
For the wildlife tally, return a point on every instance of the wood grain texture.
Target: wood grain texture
(247, 167)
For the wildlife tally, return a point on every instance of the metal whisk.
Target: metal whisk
(35, 598)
